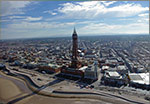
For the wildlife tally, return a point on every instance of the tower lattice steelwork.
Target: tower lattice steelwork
(75, 49)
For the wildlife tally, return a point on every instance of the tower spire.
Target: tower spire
(74, 49)
(74, 32)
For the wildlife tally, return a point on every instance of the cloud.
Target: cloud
(35, 29)
(108, 3)
(33, 18)
(94, 17)
(56, 29)
(50, 12)
(127, 10)
(87, 27)
(98, 9)
(143, 15)
(16, 17)
(143, 20)
(103, 28)
(13, 7)
(19, 19)
(4, 20)
(40, 25)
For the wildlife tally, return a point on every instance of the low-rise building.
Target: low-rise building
(122, 69)
(104, 68)
(113, 78)
(92, 72)
(72, 72)
(139, 80)
(49, 68)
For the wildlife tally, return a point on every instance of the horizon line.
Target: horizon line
(78, 36)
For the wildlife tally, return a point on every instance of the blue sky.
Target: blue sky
(28, 19)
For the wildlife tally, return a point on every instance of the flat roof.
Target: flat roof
(141, 78)
(105, 67)
(113, 74)
(121, 67)
(83, 68)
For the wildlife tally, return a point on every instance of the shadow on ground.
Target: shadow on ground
(35, 92)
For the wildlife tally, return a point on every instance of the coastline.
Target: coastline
(30, 99)
(70, 94)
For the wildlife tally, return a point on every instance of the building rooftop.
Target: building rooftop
(105, 67)
(113, 74)
(83, 68)
(54, 66)
(141, 78)
(121, 67)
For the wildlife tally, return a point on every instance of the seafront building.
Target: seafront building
(92, 71)
(139, 80)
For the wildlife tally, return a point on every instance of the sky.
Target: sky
(29, 19)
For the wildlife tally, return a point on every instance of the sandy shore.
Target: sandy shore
(8, 89)
(14, 93)
(37, 99)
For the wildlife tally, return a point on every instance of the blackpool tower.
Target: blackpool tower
(75, 50)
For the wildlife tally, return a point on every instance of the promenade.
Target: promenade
(60, 88)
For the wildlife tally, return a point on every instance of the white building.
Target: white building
(139, 80)
(113, 78)
(92, 71)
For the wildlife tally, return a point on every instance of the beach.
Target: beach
(8, 89)
(12, 93)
